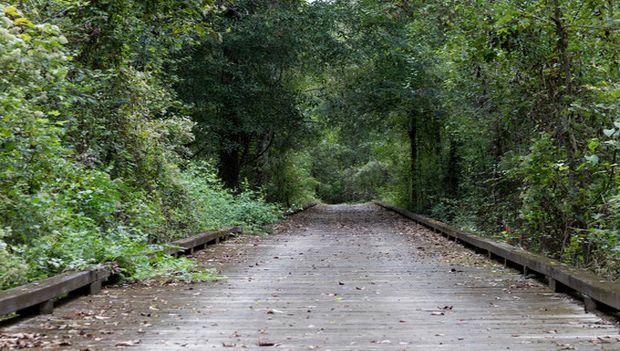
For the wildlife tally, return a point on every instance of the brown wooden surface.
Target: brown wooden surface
(35, 293)
(333, 278)
(579, 280)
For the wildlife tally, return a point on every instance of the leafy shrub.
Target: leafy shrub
(291, 181)
(13, 269)
(216, 206)
(85, 181)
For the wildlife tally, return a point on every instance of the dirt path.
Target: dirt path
(333, 278)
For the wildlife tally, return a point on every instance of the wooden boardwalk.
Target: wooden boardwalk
(345, 277)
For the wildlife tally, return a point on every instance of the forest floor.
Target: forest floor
(340, 277)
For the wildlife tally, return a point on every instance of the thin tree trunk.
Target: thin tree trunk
(413, 159)
(452, 176)
(230, 167)
(568, 138)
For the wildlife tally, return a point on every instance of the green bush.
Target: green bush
(291, 181)
(85, 181)
(217, 207)
(13, 269)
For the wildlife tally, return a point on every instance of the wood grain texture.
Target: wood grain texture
(582, 281)
(333, 278)
(39, 292)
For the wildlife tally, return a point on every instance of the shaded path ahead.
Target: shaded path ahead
(344, 277)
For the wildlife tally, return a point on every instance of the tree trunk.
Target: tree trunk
(562, 45)
(568, 139)
(230, 167)
(452, 176)
(413, 159)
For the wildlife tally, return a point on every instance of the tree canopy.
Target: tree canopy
(124, 124)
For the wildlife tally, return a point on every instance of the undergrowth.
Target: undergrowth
(87, 177)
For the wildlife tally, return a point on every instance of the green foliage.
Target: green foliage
(537, 93)
(182, 269)
(223, 208)
(13, 269)
(92, 160)
(241, 85)
(251, 86)
(546, 202)
(498, 117)
(118, 118)
(291, 183)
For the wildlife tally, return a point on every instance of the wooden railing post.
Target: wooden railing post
(47, 307)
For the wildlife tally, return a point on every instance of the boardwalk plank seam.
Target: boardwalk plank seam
(342, 277)
(43, 293)
(596, 292)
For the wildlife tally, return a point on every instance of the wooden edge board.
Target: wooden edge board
(38, 292)
(32, 294)
(301, 209)
(182, 245)
(587, 283)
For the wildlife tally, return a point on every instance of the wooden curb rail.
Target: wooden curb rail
(187, 246)
(597, 293)
(300, 209)
(39, 296)
(42, 294)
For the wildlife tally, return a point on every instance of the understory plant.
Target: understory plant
(67, 204)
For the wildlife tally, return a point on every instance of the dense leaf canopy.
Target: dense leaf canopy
(124, 124)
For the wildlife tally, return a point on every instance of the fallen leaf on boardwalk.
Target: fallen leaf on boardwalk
(19, 340)
(266, 343)
(437, 313)
(127, 343)
(381, 342)
(274, 311)
(228, 344)
(603, 340)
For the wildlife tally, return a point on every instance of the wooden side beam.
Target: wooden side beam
(596, 291)
(39, 296)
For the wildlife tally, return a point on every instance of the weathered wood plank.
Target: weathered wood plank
(21, 297)
(343, 277)
(588, 284)
(42, 293)
(180, 246)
